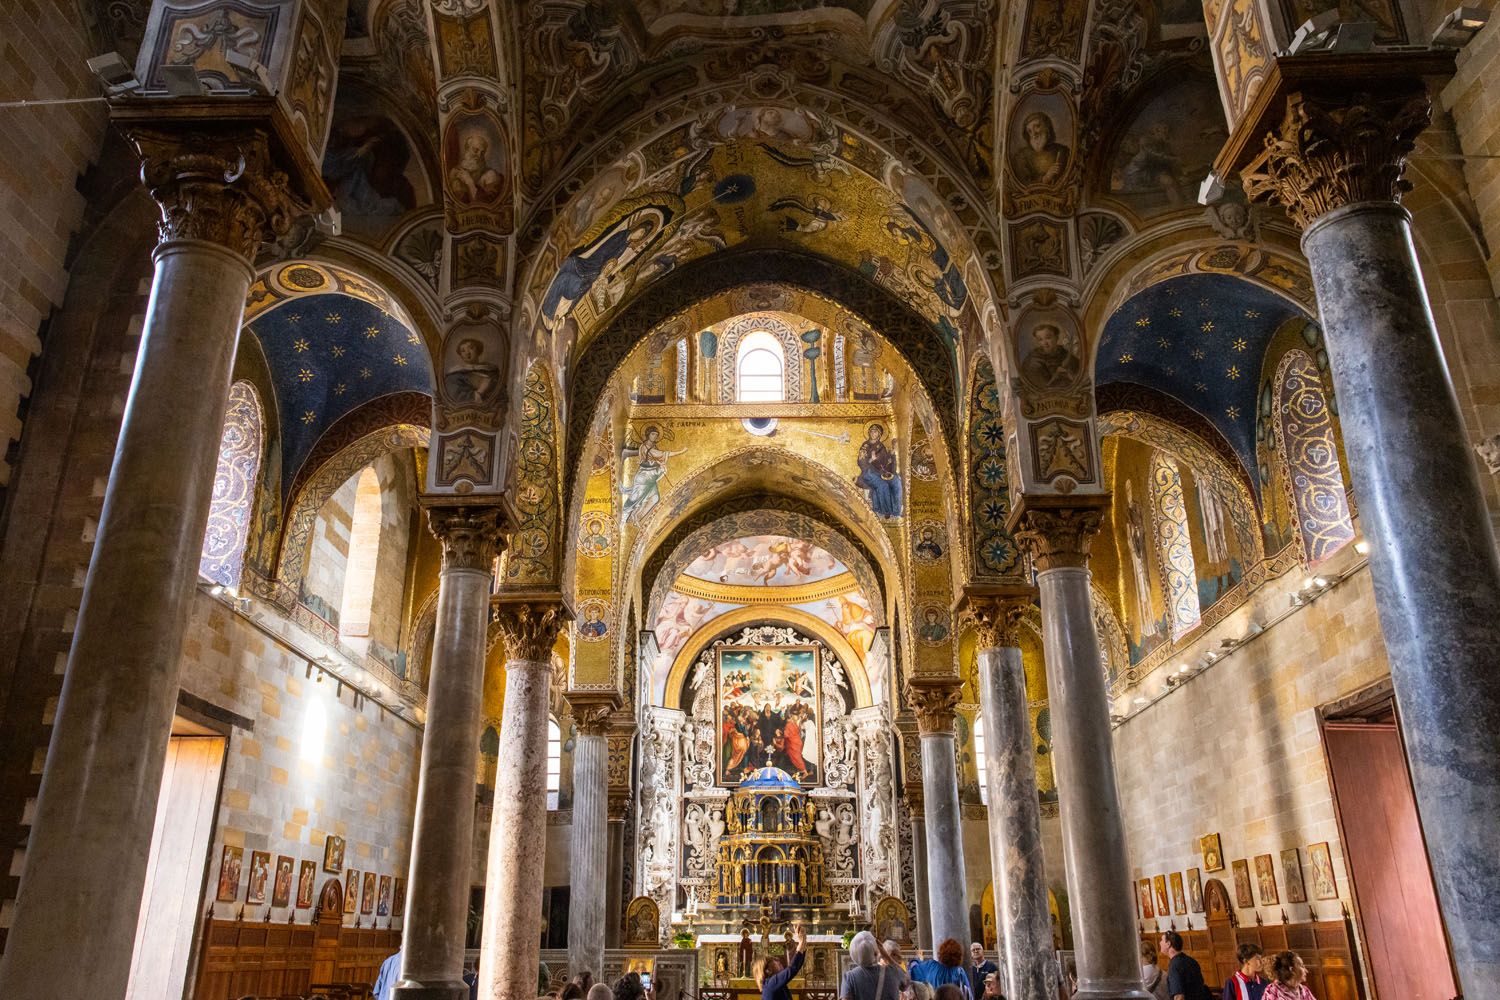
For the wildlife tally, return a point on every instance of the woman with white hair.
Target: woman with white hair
(870, 979)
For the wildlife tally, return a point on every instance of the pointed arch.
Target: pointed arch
(1174, 546)
(1304, 436)
(240, 446)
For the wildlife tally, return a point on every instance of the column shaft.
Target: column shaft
(946, 882)
(1015, 827)
(1098, 869)
(86, 859)
(614, 905)
(437, 901)
(510, 949)
(920, 908)
(589, 862)
(1432, 559)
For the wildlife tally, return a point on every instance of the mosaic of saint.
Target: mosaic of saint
(768, 711)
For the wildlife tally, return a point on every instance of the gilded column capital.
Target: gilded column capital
(471, 535)
(996, 616)
(933, 699)
(1056, 530)
(216, 187)
(594, 711)
(529, 629)
(1331, 151)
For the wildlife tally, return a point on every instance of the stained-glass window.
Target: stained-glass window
(1304, 429)
(223, 555)
(1174, 544)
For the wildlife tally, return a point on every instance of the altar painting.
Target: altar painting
(768, 712)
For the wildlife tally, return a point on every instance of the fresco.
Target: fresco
(370, 167)
(768, 712)
(1168, 148)
(765, 561)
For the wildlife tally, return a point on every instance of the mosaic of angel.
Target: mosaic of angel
(644, 491)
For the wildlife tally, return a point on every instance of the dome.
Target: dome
(769, 779)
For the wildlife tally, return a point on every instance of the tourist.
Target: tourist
(890, 956)
(947, 968)
(629, 987)
(1153, 979)
(772, 974)
(1184, 974)
(991, 986)
(874, 974)
(600, 991)
(1247, 983)
(1289, 978)
(979, 968)
(585, 981)
(921, 991)
(951, 991)
(390, 974)
(572, 991)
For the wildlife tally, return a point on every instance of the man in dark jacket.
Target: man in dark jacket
(1184, 974)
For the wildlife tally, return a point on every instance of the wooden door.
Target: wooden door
(1405, 943)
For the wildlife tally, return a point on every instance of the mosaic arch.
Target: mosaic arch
(1304, 433)
(229, 510)
(680, 290)
(532, 558)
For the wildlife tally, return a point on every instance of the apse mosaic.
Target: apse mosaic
(330, 354)
(1199, 338)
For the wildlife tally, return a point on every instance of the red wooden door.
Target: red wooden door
(1407, 949)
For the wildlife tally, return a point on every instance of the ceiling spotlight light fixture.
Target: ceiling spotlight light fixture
(1140, 699)
(1362, 547)
(115, 73)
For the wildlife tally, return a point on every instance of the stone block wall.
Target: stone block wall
(310, 764)
(43, 152)
(1236, 749)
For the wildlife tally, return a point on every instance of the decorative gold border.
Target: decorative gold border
(735, 593)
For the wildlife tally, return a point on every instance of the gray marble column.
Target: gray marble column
(919, 907)
(85, 864)
(437, 898)
(1015, 820)
(589, 857)
(934, 699)
(614, 902)
(511, 942)
(1056, 531)
(1432, 559)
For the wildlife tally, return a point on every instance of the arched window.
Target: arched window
(364, 551)
(1174, 544)
(758, 369)
(223, 556)
(1304, 430)
(554, 763)
(979, 761)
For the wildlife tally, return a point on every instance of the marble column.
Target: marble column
(91, 834)
(919, 912)
(1015, 820)
(437, 898)
(614, 894)
(1055, 531)
(934, 699)
(1432, 560)
(588, 867)
(511, 942)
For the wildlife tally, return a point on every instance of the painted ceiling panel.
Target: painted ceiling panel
(328, 355)
(1200, 338)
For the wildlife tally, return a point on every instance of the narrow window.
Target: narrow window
(223, 555)
(979, 761)
(364, 551)
(759, 367)
(682, 370)
(840, 369)
(554, 763)
(1174, 544)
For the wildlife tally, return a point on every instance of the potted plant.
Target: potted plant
(685, 940)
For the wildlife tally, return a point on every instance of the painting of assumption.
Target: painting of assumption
(370, 171)
(600, 262)
(1038, 155)
(1168, 148)
(768, 712)
(474, 154)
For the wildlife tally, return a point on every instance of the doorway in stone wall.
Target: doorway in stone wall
(176, 869)
(1384, 854)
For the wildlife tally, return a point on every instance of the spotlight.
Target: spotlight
(1140, 699)
(251, 71)
(217, 590)
(115, 73)
(1357, 36)
(1362, 547)
(1320, 582)
(1460, 27)
(1314, 32)
(1228, 643)
(182, 81)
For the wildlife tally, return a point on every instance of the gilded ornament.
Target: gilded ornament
(934, 699)
(529, 629)
(1056, 531)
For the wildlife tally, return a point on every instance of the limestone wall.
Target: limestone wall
(1236, 749)
(43, 151)
(283, 792)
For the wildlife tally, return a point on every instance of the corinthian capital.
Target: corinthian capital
(594, 711)
(529, 628)
(1335, 150)
(1056, 530)
(471, 536)
(996, 616)
(215, 186)
(934, 698)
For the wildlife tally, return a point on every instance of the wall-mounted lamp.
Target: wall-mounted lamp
(1459, 27)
